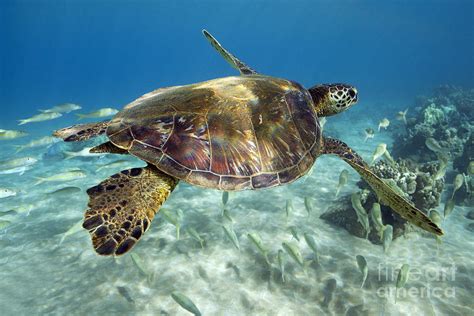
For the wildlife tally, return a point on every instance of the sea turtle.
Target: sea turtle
(242, 132)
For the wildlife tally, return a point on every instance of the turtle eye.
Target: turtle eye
(352, 93)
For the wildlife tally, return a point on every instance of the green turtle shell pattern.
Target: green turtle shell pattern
(232, 133)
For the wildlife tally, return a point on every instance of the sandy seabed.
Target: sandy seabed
(40, 275)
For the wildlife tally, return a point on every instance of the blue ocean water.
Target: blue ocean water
(98, 53)
(107, 53)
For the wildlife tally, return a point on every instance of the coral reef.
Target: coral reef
(442, 126)
(470, 215)
(415, 181)
(461, 163)
(447, 117)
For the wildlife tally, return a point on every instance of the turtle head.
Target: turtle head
(330, 99)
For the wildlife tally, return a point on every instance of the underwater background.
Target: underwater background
(415, 55)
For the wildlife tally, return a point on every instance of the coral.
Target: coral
(341, 214)
(461, 99)
(447, 117)
(433, 115)
(416, 181)
(461, 163)
(470, 215)
(465, 194)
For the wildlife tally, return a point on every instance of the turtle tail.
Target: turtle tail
(384, 192)
(81, 132)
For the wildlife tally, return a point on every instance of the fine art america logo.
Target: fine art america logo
(422, 282)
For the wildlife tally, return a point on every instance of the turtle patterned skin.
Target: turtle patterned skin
(233, 133)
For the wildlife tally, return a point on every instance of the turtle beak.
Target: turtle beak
(354, 95)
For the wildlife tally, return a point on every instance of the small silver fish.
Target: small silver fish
(384, 123)
(364, 269)
(11, 134)
(6, 192)
(257, 241)
(369, 134)
(203, 274)
(308, 203)
(312, 245)
(236, 269)
(328, 291)
(448, 207)
(186, 303)
(112, 164)
(379, 151)
(362, 216)
(17, 162)
(293, 252)
(180, 214)
(387, 237)
(281, 263)
(138, 262)
(63, 108)
(402, 278)
(433, 145)
(376, 216)
(125, 293)
(289, 208)
(40, 142)
(457, 184)
(442, 167)
(63, 177)
(47, 116)
(435, 216)
(225, 197)
(294, 232)
(387, 156)
(19, 170)
(227, 215)
(470, 168)
(172, 219)
(193, 233)
(343, 178)
(71, 231)
(229, 231)
(85, 152)
(99, 113)
(402, 116)
(24, 208)
(65, 191)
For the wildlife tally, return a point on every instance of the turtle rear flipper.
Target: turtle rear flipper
(385, 193)
(230, 58)
(122, 207)
(81, 132)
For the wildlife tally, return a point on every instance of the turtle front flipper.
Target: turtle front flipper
(231, 59)
(108, 148)
(385, 193)
(122, 207)
(81, 132)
